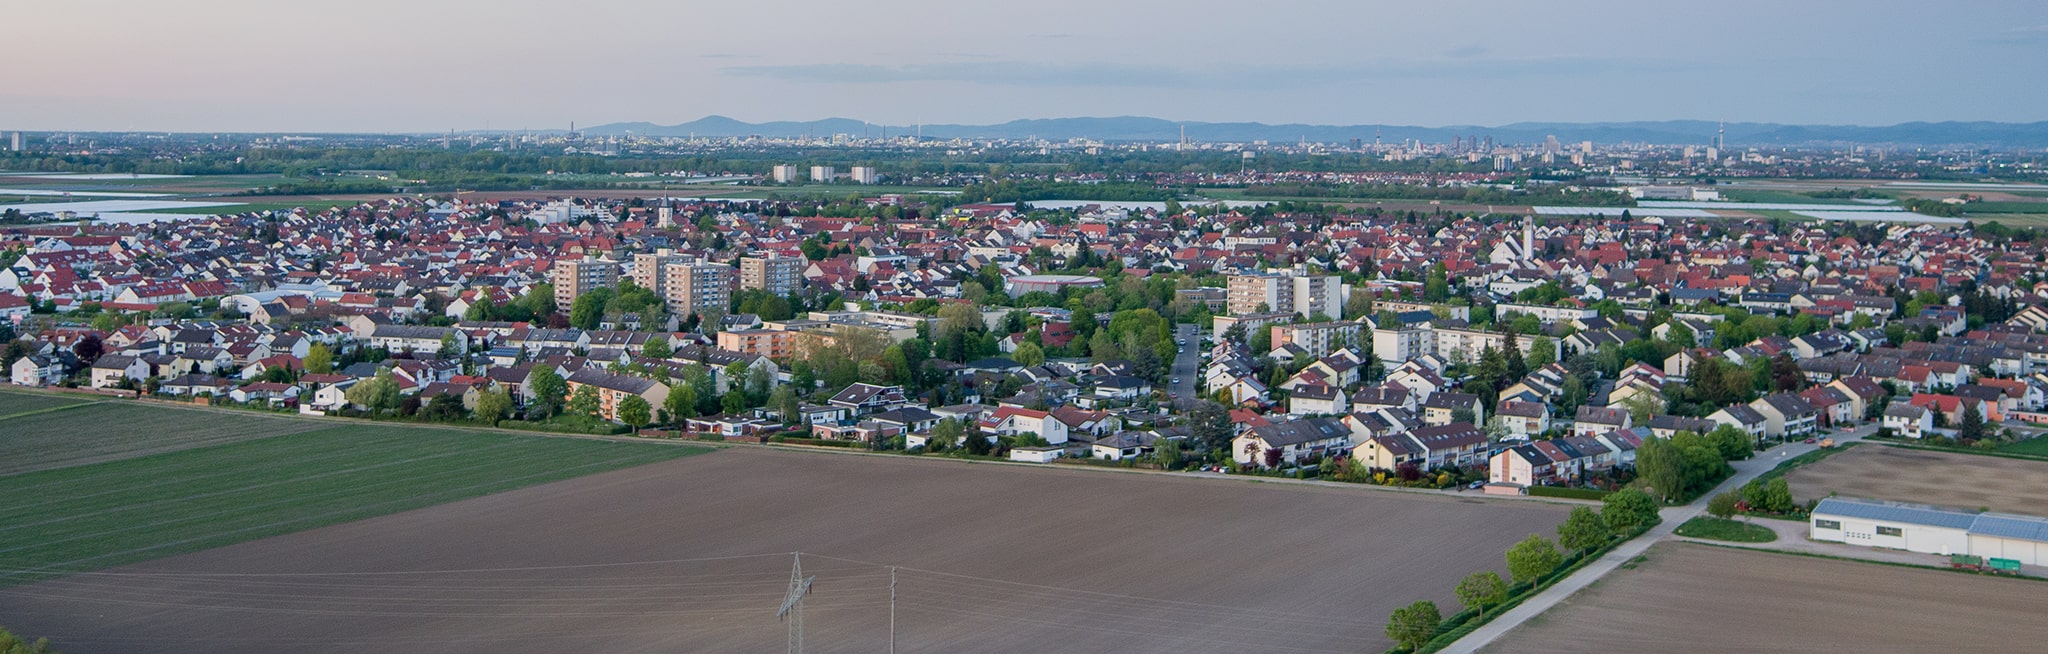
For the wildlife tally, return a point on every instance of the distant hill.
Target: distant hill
(1137, 128)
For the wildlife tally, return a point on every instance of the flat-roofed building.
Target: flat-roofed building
(778, 275)
(574, 277)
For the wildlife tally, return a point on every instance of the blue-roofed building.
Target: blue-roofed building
(1930, 529)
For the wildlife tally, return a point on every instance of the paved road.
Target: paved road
(1186, 366)
(1672, 516)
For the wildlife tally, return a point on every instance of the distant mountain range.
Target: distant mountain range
(1134, 128)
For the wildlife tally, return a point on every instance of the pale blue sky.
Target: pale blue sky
(432, 65)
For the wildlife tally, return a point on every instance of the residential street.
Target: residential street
(1187, 366)
(1672, 516)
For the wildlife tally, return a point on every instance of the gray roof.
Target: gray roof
(2011, 526)
(1895, 512)
(1997, 525)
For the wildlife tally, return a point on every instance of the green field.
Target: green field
(106, 514)
(119, 429)
(2037, 445)
(1712, 528)
(12, 404)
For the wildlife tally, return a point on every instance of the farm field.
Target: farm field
(1952, 479)
(12, 404)
(119, 429)
(694, 555)
(1699, 598)
(94, 516)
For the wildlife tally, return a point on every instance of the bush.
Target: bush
(1629, 509)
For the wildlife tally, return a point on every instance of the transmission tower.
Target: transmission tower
(792, 610)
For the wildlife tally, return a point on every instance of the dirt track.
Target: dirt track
(687, 555)
(1700, 598)
(1965, 481)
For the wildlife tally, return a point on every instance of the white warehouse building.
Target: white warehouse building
(1930, 529)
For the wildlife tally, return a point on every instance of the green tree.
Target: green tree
(1167, 450)
(1438, 287)
(734, 402)
(450, 346)
(319, 359)
(12, 644)
(584, 401)
(1412, 625)
(786, 405)
(635, 411)
(1722, 505)
(1028, 354)
(1971, 427)
(681, 402)
(946, 434)
(1583, 530)
(1661, 467)
(1628, 509)
(1482, 589)
(493, 405)
(1777, 496)
(1542, 352)
(1533, 558)
(549, 389)
(1210, 427)
(657, 348)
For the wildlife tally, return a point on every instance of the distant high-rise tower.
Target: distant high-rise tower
(1721, 137)
(17, 142)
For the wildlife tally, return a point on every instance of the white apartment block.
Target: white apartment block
(1287, 292)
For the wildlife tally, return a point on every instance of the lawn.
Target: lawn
(106, 514)
(2037, 445)
(120, 429)
(12, 404)
(1712, 528)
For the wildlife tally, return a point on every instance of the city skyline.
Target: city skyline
(386, 67)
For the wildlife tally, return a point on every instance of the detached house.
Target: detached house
(109, 370)
(37, 370)
(1786, 416)
(613, 389)
(1908, 420)
(1295, 440)
(1596, 420)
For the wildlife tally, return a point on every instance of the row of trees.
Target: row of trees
(1529, 562)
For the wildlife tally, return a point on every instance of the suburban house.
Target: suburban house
(613, 389)
(1442, 409)
(1908, 420)
(109, 370)
(1123, 445)
(1523, 420)
(1741, 416)
(863, 399)
(1010, 421)
(37, 370)
(1786, 416)
(1596, 420)
(1317, 399)
(1295, 440)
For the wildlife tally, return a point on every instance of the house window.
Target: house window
(1890, 531)
(1827, 524)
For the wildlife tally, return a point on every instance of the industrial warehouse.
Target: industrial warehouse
(1932, 530)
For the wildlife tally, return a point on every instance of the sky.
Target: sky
(436, 65)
